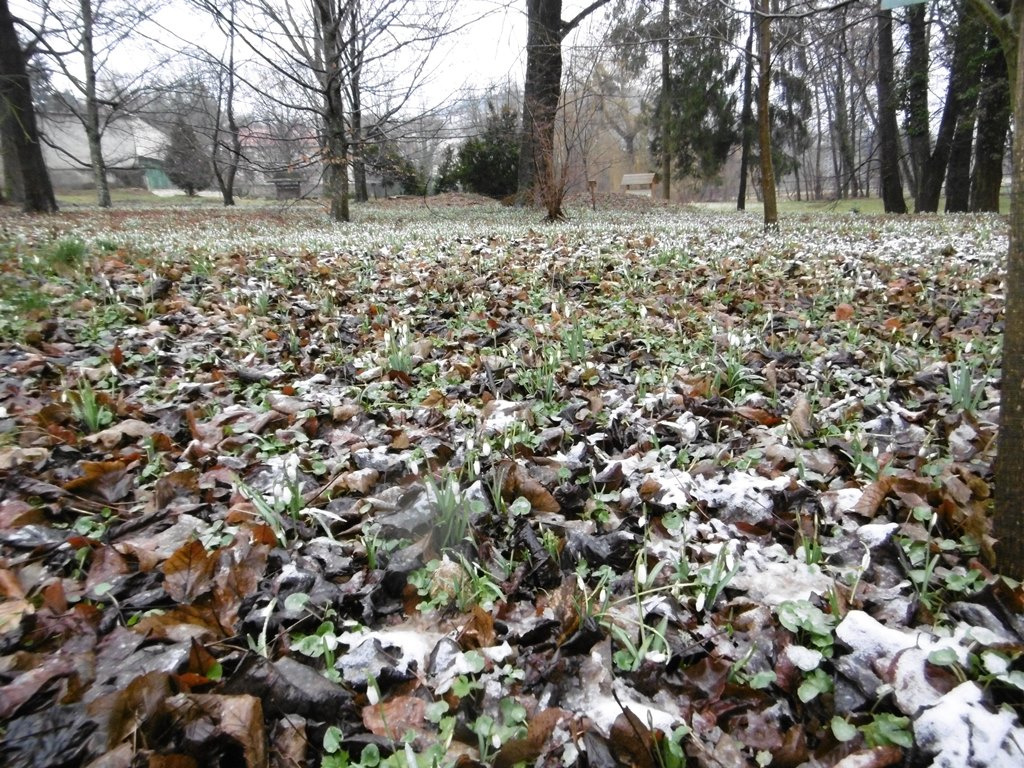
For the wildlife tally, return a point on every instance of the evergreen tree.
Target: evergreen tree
(447, 172)
(701, 87)
(489, 164)
(186, 162)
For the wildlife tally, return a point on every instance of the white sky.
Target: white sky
(490, 51)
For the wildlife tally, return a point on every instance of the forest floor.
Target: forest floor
(449, 486)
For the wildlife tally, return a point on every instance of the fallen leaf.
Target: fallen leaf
(188, 572)
(396, 716)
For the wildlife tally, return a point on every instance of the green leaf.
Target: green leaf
(332, 739)
(842, 729)
(762, 680)
(815, 684)
(436, 710)
(370, 756)
(476, 661)
(944, 657)
(296, 602)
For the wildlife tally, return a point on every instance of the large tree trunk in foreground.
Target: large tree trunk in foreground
(1009, 511)
(16, 92)
(888, 131)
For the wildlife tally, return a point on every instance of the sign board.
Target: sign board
(888, 5)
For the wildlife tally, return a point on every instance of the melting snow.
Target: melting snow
(771, 576)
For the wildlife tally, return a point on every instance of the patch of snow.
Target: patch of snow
(771, 576)
(875, 534)
(961, 732)
(804, 658)
(741, 497)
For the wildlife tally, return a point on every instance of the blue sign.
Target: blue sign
(888, 5)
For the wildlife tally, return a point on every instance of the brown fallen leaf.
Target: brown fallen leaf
(801, 418)
(872, 497)
(517, 482)
(188, 572)
(113, 436)
(530, 747)
(396, 716)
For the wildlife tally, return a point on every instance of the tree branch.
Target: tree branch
(569, 26)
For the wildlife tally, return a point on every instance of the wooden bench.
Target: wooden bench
(642, 184)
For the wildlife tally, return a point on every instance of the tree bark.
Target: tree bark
(666, 102)
(958, 169)
(362, 194)
(335, 142)
(964, 47)
(764, 127)
(990, 142)
(226, 173)
(888, 129)
(92, 110)
(917, 98)
(1008, 522)
(541, 93)
(16, 91)
(14, 188)
(747, 116)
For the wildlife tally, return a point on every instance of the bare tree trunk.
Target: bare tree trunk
(92, 111)
(964, 47)
(542, 91)
(747, 116)
(13, 187)
(355, 94)
(666, 103)
(888, 132)
(764, 127)
(226, 173)
(1008, 522)
(993, 121)
(335, 144)
(917, 98)
(16, 91)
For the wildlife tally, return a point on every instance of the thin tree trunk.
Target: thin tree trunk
(747, 117)
(1008, 521)
(888, 135)
(917, 98)
(92, 111)
(964, 47)
(993, 122)
(666, 103)
(226, 174)
(355, 93)
(764, 128)
(16, 91)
